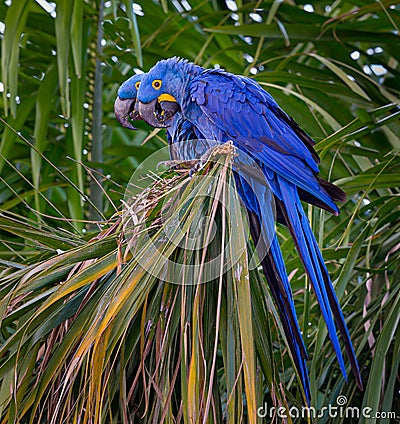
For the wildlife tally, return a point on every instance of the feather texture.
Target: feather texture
(218, 106)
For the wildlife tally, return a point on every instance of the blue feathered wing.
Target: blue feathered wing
(236, 108)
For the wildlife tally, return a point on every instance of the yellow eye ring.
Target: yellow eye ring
(137, 84)
(156, 84)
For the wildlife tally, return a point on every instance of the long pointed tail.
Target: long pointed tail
(314, 265)
(257, 198)
(275, 272)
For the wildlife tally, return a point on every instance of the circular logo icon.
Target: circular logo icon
(184, 220)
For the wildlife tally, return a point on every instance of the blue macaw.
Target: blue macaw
(196, 103)
(125, 106)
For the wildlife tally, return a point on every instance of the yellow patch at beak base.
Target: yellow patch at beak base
(166, 98)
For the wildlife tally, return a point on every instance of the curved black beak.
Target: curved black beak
(158, 114)
(125, 110)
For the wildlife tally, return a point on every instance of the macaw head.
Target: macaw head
(125, 106)
(161, 92)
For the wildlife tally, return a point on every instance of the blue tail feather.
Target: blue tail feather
(276, 275)
(274, 269)
(314, 265)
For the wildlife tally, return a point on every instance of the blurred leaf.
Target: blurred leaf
(14, 24)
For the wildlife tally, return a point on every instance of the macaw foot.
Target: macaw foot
(179, 165)
(194, 165)
(185, 166)
(226, 149)
(212, 155)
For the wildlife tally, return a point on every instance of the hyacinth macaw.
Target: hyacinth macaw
(193, 102)
(125, 106)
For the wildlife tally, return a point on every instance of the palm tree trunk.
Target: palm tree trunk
(96, 194)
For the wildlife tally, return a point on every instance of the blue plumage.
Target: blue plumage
(219, 106)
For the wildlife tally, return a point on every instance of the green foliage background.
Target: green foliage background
(335, 71)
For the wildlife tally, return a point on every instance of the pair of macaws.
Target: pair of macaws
(194, 103)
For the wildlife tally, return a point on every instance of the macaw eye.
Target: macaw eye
(156, 84)
(137, 84)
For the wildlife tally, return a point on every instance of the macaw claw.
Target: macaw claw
(179, 165)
